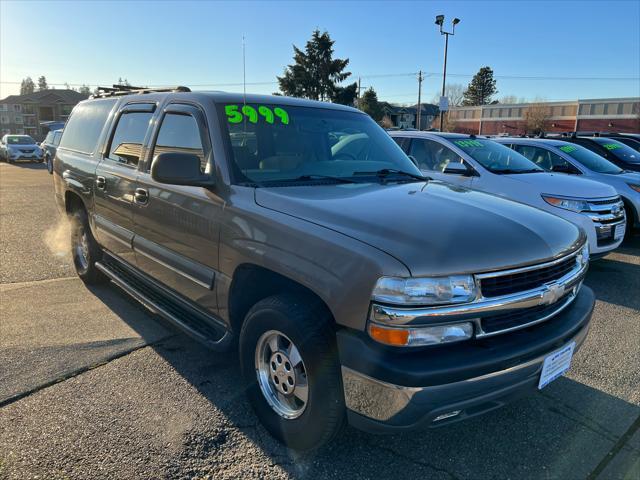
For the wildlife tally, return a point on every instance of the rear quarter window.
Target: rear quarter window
(83, 128)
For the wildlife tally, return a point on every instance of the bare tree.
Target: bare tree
(386, 122)
(508, 99)
(454, 92)
(449, 123)
(536, 118)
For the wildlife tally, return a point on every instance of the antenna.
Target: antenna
(244, 73)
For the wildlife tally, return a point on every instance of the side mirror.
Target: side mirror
(179, 169)
(457, 168)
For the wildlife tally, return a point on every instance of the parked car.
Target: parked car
(563, 157)
(613, 150)
(486, 165)
(19, 147)
(355, 288)
(49, 146)
(630, 139)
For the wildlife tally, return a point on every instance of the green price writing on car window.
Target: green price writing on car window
(468, 143)
(238, 113)
(568, 148)
(611, 146)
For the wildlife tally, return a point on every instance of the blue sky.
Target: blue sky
(199, 44)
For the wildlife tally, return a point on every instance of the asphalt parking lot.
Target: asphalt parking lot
(94, 386)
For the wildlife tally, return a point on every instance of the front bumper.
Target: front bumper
(26, 157)
(387, 390)
(599, 235)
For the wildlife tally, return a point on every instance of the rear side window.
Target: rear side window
(128, 138)
(403, 142)
(546, 159)
(49, 138)
(83, 128)
(180, 133)
(56, 138)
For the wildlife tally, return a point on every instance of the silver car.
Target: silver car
(564, 157)
(20, 147)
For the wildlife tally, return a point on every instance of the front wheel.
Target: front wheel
(85, 250)
(290, 364)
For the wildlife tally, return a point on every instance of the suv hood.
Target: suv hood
(433, 228)
(564, 185)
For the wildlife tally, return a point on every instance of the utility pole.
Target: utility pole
(440, 23)
(419, 114)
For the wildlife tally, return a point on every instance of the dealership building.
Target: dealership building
(603, 114)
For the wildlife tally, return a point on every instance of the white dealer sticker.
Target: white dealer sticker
(556, 364)
(619, 231)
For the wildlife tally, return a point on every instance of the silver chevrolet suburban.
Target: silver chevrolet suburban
(355, 288)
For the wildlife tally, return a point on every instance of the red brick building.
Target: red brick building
(607, 114)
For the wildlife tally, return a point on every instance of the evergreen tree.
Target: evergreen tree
(27, 86)
(84, 89)
(315, 74)
(370, 105)
(42, 83)
(481, 88)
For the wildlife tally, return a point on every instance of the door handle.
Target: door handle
(101, 182)
(141, 196)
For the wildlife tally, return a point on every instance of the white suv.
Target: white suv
(483, 164)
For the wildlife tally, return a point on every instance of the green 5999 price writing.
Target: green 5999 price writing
(238, 113)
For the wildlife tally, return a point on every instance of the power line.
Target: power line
(377, 75)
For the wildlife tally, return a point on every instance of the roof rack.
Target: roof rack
(116, 90)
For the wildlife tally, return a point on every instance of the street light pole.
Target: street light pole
(444, 75)
(440, 23)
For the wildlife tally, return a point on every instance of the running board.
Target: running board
(204, 328)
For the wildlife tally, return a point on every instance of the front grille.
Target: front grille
(516, 318)
(527, 280)
(605, 211)
(26, 151)
(605, 201)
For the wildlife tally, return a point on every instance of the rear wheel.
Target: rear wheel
(49, 164)
(290, 364)
(85, 250)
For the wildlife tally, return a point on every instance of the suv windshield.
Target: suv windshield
(277, 143)
(495, 157)
(589, 159)
(619, 149)
(20, 140)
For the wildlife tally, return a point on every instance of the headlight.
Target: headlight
(425, 291)
(583, 256)
(572, 204)
(634, 186)
(421, 336)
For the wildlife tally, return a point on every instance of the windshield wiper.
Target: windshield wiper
(508, 171)
(385, 172)
(309, 177)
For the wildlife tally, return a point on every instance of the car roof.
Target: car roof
(230, 97)
(548, 141)
(419, 134)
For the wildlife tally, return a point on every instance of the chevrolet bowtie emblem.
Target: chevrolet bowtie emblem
(552, 293)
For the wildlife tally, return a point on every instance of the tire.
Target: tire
(85, 250)
(305, 323)
(49, 164)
